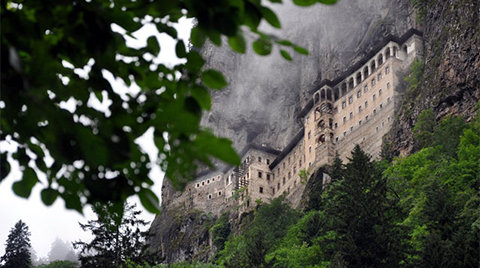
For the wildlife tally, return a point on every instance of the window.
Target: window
(388, 99)
(213, 179)
(360, 122)
(350, 100)
(387, 69)
(383, 124)
(381, 105)
(365, 88)
(295, 183)
(300, 163)
(335, 109)
(374, 111)
(259, 159)
(366, 104)
(366, 118)
(309, 164)
(351, 115)
(283, 165)
(278, 186)
(259, 174)
(359, 109)
(294, 170)
(344, 104)
(376, 129)
(379, 76)
(380, 92)
(309, 135)
(351, 128)
(359, 94)
(268, 161)
(289, 175)
(373, 82)
(344, 119)
(268, 177)
(308, 119)
(198, 185)
(310, 149)
(336, 125)
(336, 139)
(284, 180)
(388, 119)
(220, 193)
(208, 181)
(388, 85)
(203, 183)
(344, 133)
(288, 160)
(374, 97)
(273, 189)
(261, 190)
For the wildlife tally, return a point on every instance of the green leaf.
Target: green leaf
(149, 200)
(24, 187)
(262, 46)
(305, 3)
(4, 166)
(220, 148)
(237, 43)
(284, 42)
(99, 95)
(270, 17)
(48, 196)
(194, 61)
(300, 50)
(153, 45)
(215, 38)
(180, 49)
(202, 96)
(197, 37)
(285, 55)
(214, 79)
(328, 2)
(253, 16)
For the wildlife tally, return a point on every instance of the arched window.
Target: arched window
(317, 97)
(321, 124)
(380, 59)
(322, 95)
(350, 84)
(322, 138)
(344, 89)
(395, 51)
(365, 72)
(336, 94)
(330, 122)
(359, 77)
(329, 94)
(372, 65)
(387, 53)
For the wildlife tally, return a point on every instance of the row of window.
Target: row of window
(203, 183)
(360, 123)
(359, 94)
(267, 160)
(219, 194)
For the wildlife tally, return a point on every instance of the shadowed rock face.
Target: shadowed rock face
(265, 94)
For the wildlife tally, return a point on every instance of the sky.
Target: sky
(48, 223)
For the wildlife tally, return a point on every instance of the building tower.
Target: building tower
(323, 120)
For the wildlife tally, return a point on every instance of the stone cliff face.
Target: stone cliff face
(451, 79)
(265, 94)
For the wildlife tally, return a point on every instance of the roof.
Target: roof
(288, 149)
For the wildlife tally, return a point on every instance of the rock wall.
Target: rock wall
(451, 79)
(265, 94)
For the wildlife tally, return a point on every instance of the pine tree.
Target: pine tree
(116, 239)
(362, 215)
(17, 251)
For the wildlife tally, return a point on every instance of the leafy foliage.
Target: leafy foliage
(117, 239)
(57, 54)
(220, 231)
(60, 264)
(17, 251)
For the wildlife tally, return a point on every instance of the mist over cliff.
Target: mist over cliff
(265, 94)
